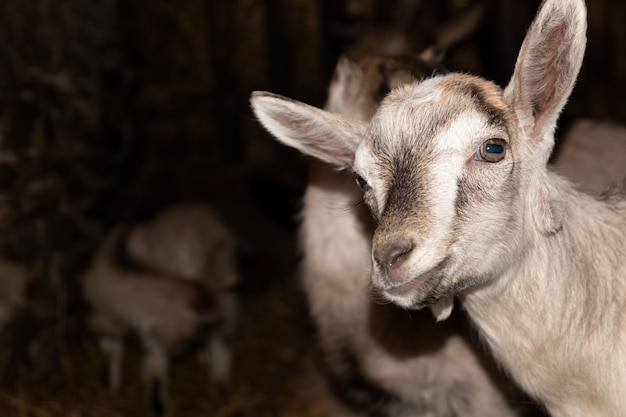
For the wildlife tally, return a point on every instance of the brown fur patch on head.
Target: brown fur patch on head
(485, 96)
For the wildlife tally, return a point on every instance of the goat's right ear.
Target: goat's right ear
(315, 132)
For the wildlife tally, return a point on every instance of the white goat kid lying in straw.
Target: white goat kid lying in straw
(168, 312)
(454, 170)
(190, 241)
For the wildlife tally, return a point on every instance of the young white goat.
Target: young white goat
(454, 170)
(167, 313)
(190, 241)
(378, 359)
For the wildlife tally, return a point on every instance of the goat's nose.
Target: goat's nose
(390, 258)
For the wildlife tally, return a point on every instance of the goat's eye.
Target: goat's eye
(492, 150)
(360, 181)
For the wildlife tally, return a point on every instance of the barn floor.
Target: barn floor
(273, 372)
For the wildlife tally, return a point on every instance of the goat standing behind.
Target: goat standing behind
(454, 169)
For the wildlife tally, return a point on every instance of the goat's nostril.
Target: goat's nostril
(397, 255)
(393, 256)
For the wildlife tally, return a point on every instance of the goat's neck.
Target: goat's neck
(561, 308)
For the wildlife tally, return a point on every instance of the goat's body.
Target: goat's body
(189, 241)
(575, 362)
(170, 309)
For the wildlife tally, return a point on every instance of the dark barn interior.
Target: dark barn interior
(111, 110)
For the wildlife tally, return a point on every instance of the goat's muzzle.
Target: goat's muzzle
(390, 259)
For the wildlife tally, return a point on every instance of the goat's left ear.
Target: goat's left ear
(546, 70)
(315, 132)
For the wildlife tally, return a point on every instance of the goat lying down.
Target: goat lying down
(379, 359)
(454, 171)
(170, 283)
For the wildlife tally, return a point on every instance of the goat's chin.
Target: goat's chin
(413, 302)
(418, 292)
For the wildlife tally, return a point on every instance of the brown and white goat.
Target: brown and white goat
(379, 359)
(168, 313)
(454, 170)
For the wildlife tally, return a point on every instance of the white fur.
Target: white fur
(188, 240)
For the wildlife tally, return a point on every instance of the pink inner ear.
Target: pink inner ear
(537, 134)
(346, 159)
(335, 150)
(548, 78)
(296, 124)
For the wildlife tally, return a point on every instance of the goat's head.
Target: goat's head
(453, 168)
(358, 88)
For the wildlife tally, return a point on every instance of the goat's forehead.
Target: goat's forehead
(422, 111)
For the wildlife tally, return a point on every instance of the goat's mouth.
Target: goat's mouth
(420, 291)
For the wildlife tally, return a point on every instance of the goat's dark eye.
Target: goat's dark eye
(492, 150)
(360, 181)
